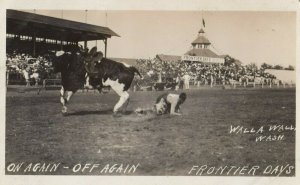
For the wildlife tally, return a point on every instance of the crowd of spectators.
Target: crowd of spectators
(23, 68)
(199, 73)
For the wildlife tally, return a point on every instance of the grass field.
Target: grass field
(36, 132)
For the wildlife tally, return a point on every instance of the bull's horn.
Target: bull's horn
(93, 50)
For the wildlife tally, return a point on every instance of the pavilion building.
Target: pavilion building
(201, 51)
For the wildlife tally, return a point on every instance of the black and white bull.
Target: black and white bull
(77, 68)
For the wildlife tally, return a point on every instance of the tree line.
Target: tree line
(229, 60)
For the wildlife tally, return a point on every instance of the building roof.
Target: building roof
(202, 52)
(168, 58)
(238, 62)
(25, 23)
(223, 56)
(201, 31)
(128, 61)
(235, 61)
(200, 40)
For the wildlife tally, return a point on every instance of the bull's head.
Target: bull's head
(61, 59)
(83, 51)
(55, 58)
(91, 59)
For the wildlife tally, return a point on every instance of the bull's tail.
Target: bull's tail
(134, 70)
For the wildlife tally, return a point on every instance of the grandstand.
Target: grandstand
(30, 36)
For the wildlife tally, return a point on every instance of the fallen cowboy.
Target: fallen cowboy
(167, 103)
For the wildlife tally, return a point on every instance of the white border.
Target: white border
(232, 5)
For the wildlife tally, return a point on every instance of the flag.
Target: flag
(203, 22)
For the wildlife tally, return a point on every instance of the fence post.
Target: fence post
(44, 83)
(7, 78)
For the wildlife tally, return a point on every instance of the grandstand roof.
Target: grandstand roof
(25, 23)
(202, 52)
(201, 40)
(168, 58)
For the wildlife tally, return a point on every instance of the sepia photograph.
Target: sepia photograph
(114, 92)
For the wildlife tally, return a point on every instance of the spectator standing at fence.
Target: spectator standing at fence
(26, 76)
(181, 83)
(36, 77)
(186, 79)
(134, 84)
(198, 79)
(211, 80)
(177, 82)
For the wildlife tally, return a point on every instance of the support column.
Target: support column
(105, 43)
(34, 44)
(61, 45)
(85, 44)
(55, 45)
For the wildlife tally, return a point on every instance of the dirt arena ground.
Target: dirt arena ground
(36, 132)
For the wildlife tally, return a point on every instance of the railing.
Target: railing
(52, 84)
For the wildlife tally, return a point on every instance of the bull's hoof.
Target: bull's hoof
(117, 114)
(64, 113)
(126, 112)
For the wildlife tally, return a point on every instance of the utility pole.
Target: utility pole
(86, 16)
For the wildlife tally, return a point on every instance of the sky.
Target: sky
(250, 36)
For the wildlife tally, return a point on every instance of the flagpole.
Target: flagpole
(203, 21)
(202, 18)
(86, 16)
(105, 18)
